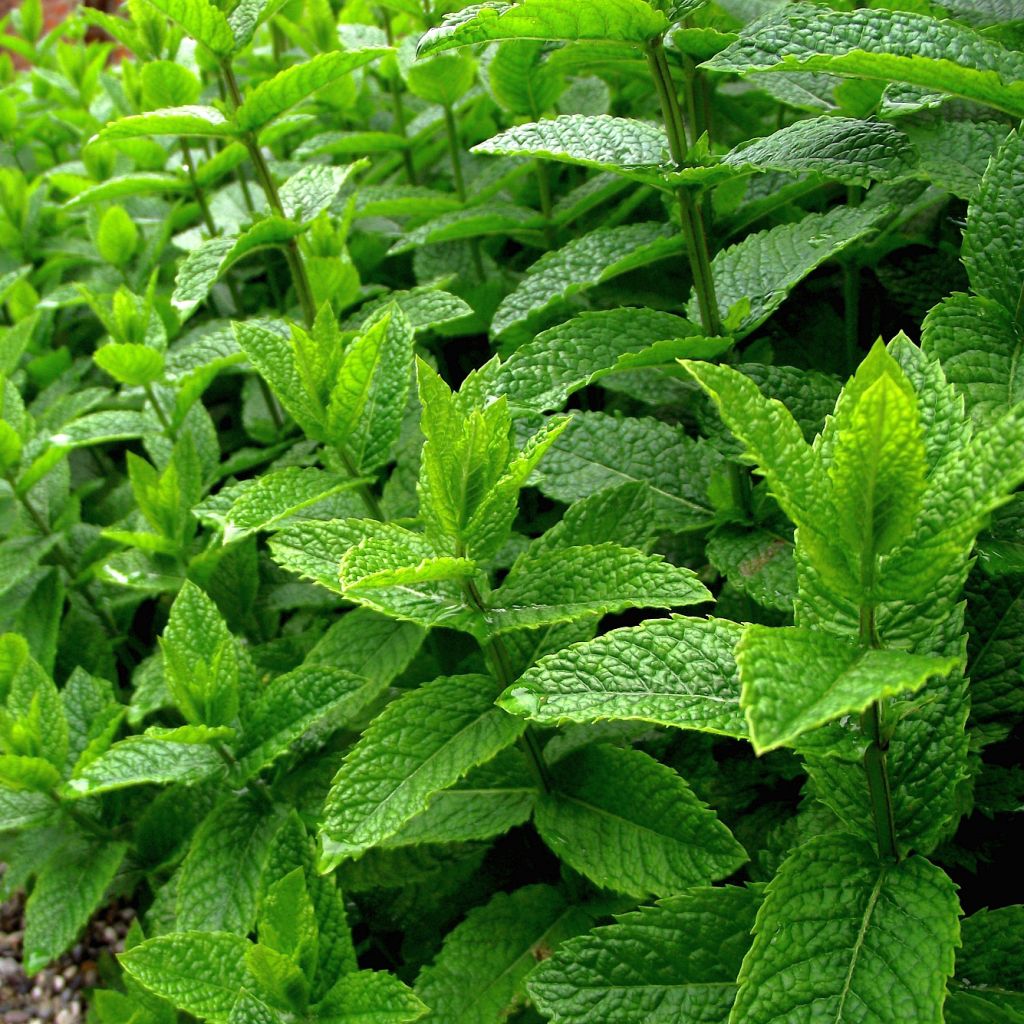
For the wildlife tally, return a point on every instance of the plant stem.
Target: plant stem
(875, 767)
(851, 297)
(197, 190)
(158, 409)
(292, 252)
(690, 215)
(454, 154)
(369, 499)
(501, 666)
(397, 106)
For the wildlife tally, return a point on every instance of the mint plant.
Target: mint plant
(510, 510)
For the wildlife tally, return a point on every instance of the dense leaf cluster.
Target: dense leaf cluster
(509, 510)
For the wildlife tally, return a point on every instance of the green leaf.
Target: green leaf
(541, 374)
(218, 881)
(166, 84)
(989, 963)
(795, 679)
(368, 645)
(446, 727)
(764, 267)
(485, 961)
(992, 250)
(589, 260)
(979, 345)
(757, 562)
(631, 21)
(182, 755)
(633, 825)
(672, 962)
(204, 22)
(953, 155)
(191, 120)
(68, 890)
(520, 78)
(201, 973)
(368, 400)
(890, 46)
(312, 189)
(204, 264)
(877, 460)
(117, 237)
(200, 662)
(131, 364)
(293, 703)
(678, 672)
(851, 151)
(597, 451)
(573, 582)
(313, 549)
(272, 98)
(369, 997)
(995, 646)
(443, 79)
(495, 218)
(264, 502)
(24, 773)
(267, 345)
(855, 939)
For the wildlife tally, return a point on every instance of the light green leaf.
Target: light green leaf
(586, 261)
(672, 962)
(369, 997)
(574, 582)
(67, 891)
(520, 78)
(495, 218)
(855, 939)
(620, 513)
(368, 400)
(24, 773)
(484, 963)
(443, 79)
(757, 562)
(203, 265)
(424, 308)
(314, 549)
(851, 151)
(890, 46)
(367, 644)
(679, 672)
(980, 346)
(633, 825)
(204, 22)
(795, 679)
(263, 502)
(218, 881)
(183, 755)
(293, 703)
(200, 662)
(192, 120)
(103, 427)
(619, 20)
(599, 451)
(312, 189)
(953, 155)
(764, 267)
(201, 973)
(131, 364)
(541, 374)
(272, 98)
(446, 727)
(993, 249)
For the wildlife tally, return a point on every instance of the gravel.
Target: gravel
(57, 994)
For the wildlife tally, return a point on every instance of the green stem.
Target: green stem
(851, 297)
(271, 403)
(540, 171)
(875, 766)
(292, 252)
(397, 105)
(689, 212)
(451, 130)
(197, 189)
(369, 499)
(501, 666)
(158, 409)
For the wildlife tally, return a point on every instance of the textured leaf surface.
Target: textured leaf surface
(757, 562)
(485, 961)
(421, 743)
(795, 679)
(202, 21)
(849, 150)
(679, 672)
(369, 997)
(980, 346)
(219, 879)
(993, 248)
(766, 266)
(292, 85)
(67, 891)
(623, 20)
(190, 120)
(598, 451)
(202, 973)
(592, 259)
(572, 582)
(989, 962)
(674, 961)
(844, 938)
(894, 46)
(541, 374)
(633, 825)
